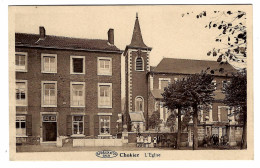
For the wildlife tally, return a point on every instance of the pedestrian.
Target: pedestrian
(145, 142)
(217, 140)
(141, 141)
(168, 141)
(149, 140)
(137, 141)
(225, 140)
(163, 140)
(154, 141)
(222, 140)
(159, 140)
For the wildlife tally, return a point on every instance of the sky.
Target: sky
(163, 27)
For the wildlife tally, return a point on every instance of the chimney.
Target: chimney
(42, 32)
(110, 34)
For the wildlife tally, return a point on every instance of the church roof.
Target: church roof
(189, 66)
(137, 39)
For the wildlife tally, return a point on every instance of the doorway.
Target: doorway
(49, 131)
(49, 128)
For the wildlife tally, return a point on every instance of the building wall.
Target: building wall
(63, 78)
(136, 81)
(215, 104)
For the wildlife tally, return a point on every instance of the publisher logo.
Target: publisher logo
(106, 154)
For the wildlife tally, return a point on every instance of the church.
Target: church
(68, 90)
(145, 85)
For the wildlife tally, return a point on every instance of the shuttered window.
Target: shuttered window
(49, 93)
(105, 95)
(104, 122)
(77, 94)
(78, 125)
(21, 93)
(49, 63)
(20, 125)
(21, 61)
(104, 66)
(139, 64)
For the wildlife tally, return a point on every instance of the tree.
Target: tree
(232, 34)
(174, 98)
(154, 120)
(192, 91)
(236, 97)
(171, 122)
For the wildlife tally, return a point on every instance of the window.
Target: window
(21, 93)
(77, 64)
(139, 104)
(139, 65)
(104, 66)
(77, 92)
(104, 125)
(49, 94)
(225, 84)
(156, 106)
(105, 95)
(223, 112)
(164, 82)
(21, 61)
(20, 126)
(78, 125)
(214, 82)
(49, 63)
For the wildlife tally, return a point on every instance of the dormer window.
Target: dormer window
(139, 65)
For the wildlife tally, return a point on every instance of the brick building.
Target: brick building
(71, 88)
(66, 87)
(145, 85)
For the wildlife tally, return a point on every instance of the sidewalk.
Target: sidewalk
(70, 148)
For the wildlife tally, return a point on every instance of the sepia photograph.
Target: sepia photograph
(131, 82)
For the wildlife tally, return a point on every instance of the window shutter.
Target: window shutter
(86, 125)
(96, 125)
(29, 125)
(69, 125)
(139, 63)
(113, 125)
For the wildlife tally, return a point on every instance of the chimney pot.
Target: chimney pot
(111, 36)
(42, 32)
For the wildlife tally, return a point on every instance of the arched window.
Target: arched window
(139, 103)
(139, 64)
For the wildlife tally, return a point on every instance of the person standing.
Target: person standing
(154, 141)
(141, 141)
(149, 141)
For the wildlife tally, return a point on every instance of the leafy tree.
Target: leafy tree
(232, 34)
(236, 97)
(186, 118)
(174, 98)
(192, 91)
(154, 120)
(171, 122)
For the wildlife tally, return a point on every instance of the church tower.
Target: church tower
(136, 69)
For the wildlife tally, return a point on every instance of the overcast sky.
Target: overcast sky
(163, 27)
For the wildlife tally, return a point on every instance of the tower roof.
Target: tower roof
(137, 39)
